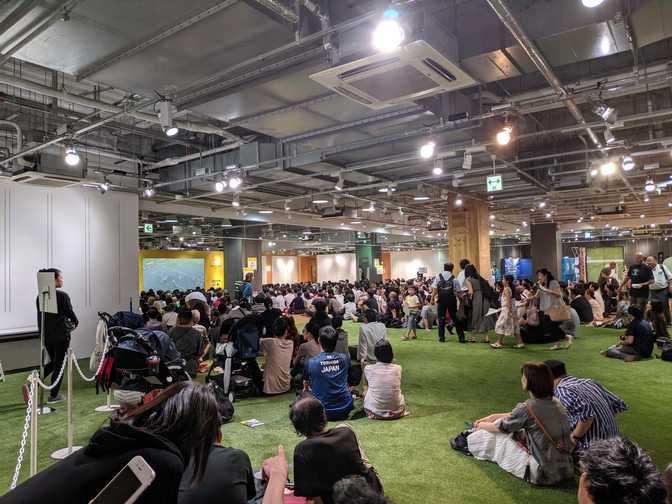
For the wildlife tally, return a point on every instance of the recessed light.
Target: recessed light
(265, 211)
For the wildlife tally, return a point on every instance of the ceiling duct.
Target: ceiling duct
(45, 179)
(424, 67)
(610, 210)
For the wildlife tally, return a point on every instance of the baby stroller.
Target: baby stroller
(234, 368)
(139, 361)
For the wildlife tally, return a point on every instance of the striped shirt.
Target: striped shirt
(585, 398)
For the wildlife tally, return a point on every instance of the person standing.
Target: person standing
(443, 292)
(246, 290)
(638, 280)
(662, 283)
(480, 304)
(57, 329)
(507, 323)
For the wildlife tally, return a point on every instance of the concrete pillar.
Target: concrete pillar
(546, 247)
(236, 254)
(469, 234)
(366, 259)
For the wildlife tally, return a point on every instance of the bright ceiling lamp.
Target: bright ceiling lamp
(592, 3)
(149, 191)
(650, 185)
(371, 208)
(438, 167)
(236, 200)
(609, 137)
(427, 150)
(594, 172)
(320, 201)
(339, 183)
(220, 185)
(165, 113)
(458, 201)
(608, 168)
(421, 197)
(387, 190)
(235, 182)
(288, 205)
(266, 212)
(71, 156)
(105, 186)
(628, 163)
(504, 135)
(389, 34)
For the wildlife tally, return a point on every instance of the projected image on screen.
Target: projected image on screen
(171, 274)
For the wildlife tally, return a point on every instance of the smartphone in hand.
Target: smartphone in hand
(128, 484)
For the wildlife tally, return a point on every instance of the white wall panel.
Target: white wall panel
(285, 269)
(407, 263)
(92, 238)
(334, 267)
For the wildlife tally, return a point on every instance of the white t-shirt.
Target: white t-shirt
(661, 276)
(384, 397)
(289, 297)
(279, 302)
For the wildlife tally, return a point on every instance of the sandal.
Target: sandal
(496, 345)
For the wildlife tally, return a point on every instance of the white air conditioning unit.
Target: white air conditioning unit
(45, 179)
(416, 70)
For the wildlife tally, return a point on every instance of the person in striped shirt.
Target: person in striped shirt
(591, 408)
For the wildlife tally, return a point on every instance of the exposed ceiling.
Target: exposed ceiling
(90, 74)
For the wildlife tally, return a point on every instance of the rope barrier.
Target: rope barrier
(100, 364)
(24, 436)
(57, 380)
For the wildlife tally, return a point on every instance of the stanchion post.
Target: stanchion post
(108, 406)
(33, 423)
(64, 452)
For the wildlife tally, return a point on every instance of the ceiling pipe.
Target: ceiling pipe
(107, 107)
(530, 48)
(21, 9)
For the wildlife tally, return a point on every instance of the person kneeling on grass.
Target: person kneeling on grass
(383, 399)
(638, 340)
(326, 455)
(327, 377)
(617, 471)
(533, 441)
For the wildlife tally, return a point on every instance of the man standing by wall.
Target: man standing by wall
(57, 329)
(660, 289)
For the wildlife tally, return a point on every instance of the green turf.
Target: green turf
(444, 385)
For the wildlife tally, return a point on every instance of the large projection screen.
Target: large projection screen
(171, 274)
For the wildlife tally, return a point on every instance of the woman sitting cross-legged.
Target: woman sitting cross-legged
(533, 441)
(383, 399)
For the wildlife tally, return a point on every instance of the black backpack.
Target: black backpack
(445, 289)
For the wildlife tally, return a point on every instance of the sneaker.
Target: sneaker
(56, 399)
(25, 390)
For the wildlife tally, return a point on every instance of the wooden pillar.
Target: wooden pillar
(469, 234)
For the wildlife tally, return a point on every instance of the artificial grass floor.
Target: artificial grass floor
(444, 384)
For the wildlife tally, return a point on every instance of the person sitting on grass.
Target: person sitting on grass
(617, 471)
(383, 399)
(591, 408)
(370, 333)
(342, 344)
(326, 456)
(356, 490)
(327, 377)
(350, 308)
(278, 352)
(187, 340)
(543, 425)
(638, 340)
(307, 350)
(411, 308)
(394, 314)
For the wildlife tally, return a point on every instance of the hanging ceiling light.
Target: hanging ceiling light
(427, 150)
(607, 113)
(628, 163)
(458, 200)
(542, 204)
(591, 3)
(166, 113)
(71, 156)
(650, 185)
(235, 182)
(236, 200)
(609, 137)
(220, 185)
(389, 34)
(339, 183)
(608, 168)
(594, 172)
(149, 191)
(504, 135)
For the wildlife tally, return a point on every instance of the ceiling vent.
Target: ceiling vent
(45, 179)
(415, 71)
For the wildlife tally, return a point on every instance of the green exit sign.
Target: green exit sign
(149, 228)
(494, 183)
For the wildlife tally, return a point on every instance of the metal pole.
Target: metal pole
(64, 452)
(40, 402)
(33, 424)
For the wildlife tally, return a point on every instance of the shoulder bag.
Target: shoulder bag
(559, 312)
(556, 444)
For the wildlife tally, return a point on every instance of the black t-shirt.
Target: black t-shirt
(640, 274)
(228, 478)
(321, 461)
(644, 337)
(583, 309)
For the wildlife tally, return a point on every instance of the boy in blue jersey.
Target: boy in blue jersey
(327, 377)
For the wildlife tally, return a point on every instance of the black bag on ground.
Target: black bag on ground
(666, 349)
(459, 443)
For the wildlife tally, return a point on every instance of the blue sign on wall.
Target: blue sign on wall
(519, 267)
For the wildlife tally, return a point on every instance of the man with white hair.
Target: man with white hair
(662, 282)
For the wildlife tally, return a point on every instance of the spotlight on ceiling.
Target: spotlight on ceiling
(427, 150)
(504, 135)
(220, 185)
(466, 162)
(339, 183)
(609, 137)
(458, 201)
(542, 204)
(438, 167)
(71, 156)
(389, 34)
(607, 113)
(628, 163)
(492, 216)
(236, 200)
(594, 172)
(591, 3)
(166, 113)
(105, 186)
(608, 168)
(149, 191)
(288, 206)
(235, 182)
(650, 185)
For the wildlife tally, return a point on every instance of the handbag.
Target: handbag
(559, 312)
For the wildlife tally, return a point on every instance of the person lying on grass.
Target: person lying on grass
(533, 441)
